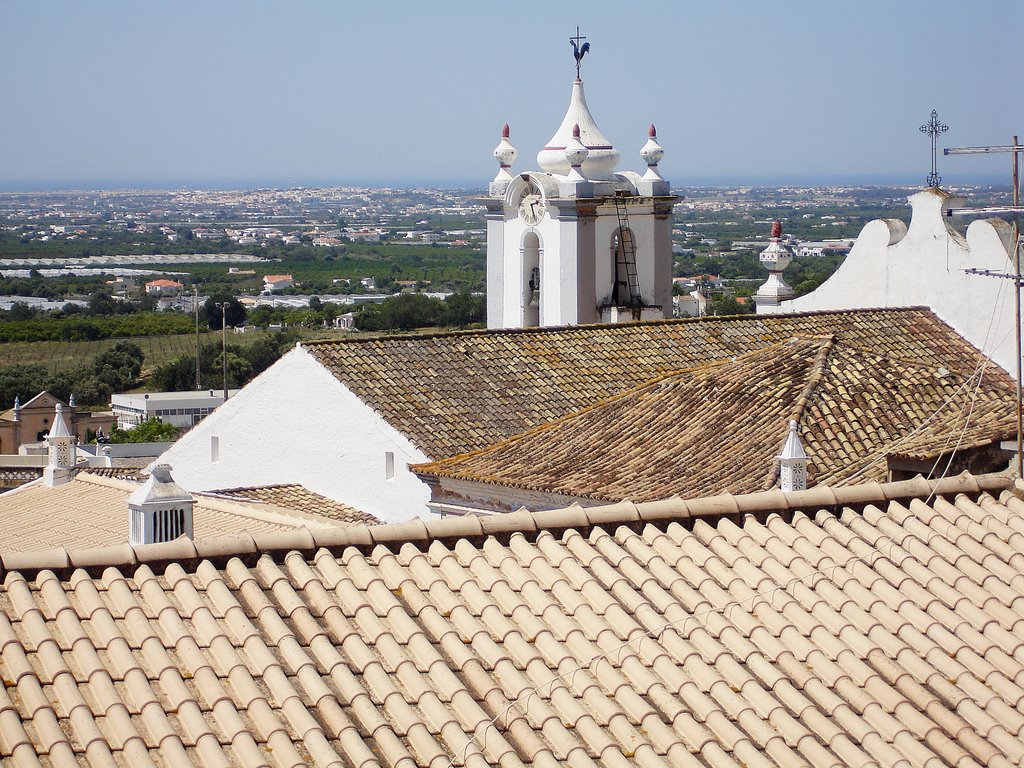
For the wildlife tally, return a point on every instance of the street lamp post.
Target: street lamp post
(223, 307)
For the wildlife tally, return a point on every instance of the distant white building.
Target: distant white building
(163, 287)
(818, 247)
(363, 235)
(694, 305)
(182, 409)
(346, 322)
(204, 233)
(277, 282)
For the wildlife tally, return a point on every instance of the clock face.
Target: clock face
(531, 205)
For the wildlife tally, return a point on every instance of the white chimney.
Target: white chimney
(159, 510)
(793, 461)
(62, 451)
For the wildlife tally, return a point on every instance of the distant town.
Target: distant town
(168, 272)
(171, 244)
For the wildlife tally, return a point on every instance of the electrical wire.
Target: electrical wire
(827, 573)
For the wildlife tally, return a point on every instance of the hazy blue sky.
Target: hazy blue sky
(218, 93)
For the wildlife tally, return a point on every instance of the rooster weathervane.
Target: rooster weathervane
(578, 51)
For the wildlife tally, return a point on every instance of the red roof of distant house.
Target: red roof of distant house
(165, 283)
(276, 278)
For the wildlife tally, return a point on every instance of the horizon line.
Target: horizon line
(247, 185)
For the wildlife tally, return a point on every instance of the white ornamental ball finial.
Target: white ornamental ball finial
(575, 152)
(505, 154)
(652, 152)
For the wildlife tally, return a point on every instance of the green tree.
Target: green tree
(102, 303)
(400, 313)
(150, 431)
(463, 309)
(239, 369)
(24, 381)
(211, 314)
(727, 305)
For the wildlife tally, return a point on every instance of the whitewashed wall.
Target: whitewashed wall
(891, 265)
(296, 423)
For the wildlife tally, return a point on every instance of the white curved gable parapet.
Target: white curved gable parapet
(989, 235)
(925, 264)
(628, 180)
(897, 229)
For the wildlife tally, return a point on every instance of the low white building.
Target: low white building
(182, 409)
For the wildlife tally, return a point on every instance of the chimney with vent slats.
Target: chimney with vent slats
(159, 510)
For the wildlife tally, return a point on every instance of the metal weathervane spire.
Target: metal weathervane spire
(933, 128)
(578, 51)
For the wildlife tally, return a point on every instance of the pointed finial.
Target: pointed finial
(776, 229)
(576, 153)
(71, 401)
(652, 152)
(505, 154)
(17, 403)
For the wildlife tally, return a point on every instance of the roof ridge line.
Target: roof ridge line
(417, 532)
(85, 476)
(588, 327)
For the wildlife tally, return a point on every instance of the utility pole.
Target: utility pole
(223, 307)
(195, 309)
(1014, 149)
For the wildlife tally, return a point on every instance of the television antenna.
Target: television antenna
(1014, 150)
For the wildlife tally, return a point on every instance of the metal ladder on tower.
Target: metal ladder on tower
(625, 259)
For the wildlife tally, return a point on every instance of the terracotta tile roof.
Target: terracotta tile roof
(92, 511)
(297, 498)
(870, 625)
(455, 392)
(718, 428)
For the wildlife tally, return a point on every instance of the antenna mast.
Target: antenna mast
(1015, 150)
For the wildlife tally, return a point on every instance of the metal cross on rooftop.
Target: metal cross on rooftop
(578, 51)
(933, 128)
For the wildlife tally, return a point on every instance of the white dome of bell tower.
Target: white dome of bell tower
(602, 158)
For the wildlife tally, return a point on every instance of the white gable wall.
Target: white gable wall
(296, 423)
(891, 265)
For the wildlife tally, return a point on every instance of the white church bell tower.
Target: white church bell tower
(578, 241)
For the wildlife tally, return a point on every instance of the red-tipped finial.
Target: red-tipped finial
(776, 228)
(652, 132)
(504, 131)
(576, 131)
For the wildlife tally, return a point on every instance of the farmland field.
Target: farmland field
(57, 355)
